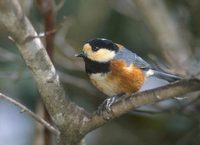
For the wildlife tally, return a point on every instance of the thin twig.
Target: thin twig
(46, 33)
(36, 117)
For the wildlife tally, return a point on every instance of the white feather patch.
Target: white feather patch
(149, 73)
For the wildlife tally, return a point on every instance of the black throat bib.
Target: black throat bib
(96, 67)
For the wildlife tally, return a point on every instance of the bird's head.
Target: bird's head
(99, 50)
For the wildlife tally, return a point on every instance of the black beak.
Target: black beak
(81, 54)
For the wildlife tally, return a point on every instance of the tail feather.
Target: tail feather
(166, 76)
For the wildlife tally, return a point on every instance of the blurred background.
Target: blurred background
(164, 32)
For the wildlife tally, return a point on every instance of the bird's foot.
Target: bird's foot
(105, 108)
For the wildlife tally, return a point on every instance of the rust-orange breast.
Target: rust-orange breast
(129, 78)
(122, 79)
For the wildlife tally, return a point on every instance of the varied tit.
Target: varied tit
(115, 70)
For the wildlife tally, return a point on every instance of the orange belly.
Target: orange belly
(121, 79)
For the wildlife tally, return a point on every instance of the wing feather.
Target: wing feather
(132, 58)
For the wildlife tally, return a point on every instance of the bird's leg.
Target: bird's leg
(107, 104)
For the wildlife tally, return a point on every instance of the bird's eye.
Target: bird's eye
(95, 48)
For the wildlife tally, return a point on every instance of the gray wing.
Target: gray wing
(131, 58)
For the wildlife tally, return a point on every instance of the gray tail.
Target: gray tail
(166, 76)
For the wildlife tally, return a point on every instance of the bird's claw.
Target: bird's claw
(105, 108)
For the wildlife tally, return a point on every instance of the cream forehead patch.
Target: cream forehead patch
(87, 48)
(101, 55)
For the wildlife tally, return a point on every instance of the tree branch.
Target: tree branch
(47, 10)
(25, 109)
(66, 115)
(142, 98)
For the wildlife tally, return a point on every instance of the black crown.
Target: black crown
(99, 43)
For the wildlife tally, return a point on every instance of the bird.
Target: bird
(115, 70)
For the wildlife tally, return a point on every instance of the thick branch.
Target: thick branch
(147, 97)
(67, 116)
(47, 10)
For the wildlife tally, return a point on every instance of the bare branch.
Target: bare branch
(147, 97)
(66, 115)
(36, 117)
(47, 10)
